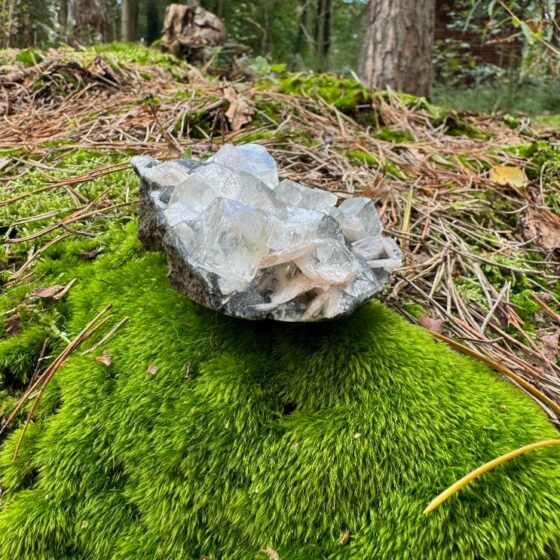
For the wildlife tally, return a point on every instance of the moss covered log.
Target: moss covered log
(208, 437)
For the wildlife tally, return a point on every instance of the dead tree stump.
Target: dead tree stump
(188, 30)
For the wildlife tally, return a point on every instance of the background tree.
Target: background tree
(129, 20)
(27, 22)
(323, 33)
(153, 21)
(486, 56)
(397, 51)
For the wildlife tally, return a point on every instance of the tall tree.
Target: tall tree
(129, 20)
(397, 51)
(323, 33)
(153, 21)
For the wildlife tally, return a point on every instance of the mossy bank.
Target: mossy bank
(207, 437)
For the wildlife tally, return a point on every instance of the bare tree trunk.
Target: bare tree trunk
(63, 19)
(326, 44)
(7, 14)
(322, 33)
(397, 51)
(153, 24)
(265, 26)
(301, 29)
(220, 9)
(129, 20)
(188, 29)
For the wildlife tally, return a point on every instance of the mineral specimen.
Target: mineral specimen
(242, 242)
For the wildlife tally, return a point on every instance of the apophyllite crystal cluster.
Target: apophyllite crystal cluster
(242, 242)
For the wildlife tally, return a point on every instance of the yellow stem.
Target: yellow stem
(407, 212)
(485, 468)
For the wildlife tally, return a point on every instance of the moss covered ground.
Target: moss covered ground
(211, 437)
(189, 435)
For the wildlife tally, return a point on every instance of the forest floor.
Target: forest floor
(474, 200)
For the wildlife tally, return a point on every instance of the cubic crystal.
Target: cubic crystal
(249, 158)
(379, 252)
(290, 193)
(357, 218)
(240, 242)
(230, 239)
(166, 174)
(214, 180)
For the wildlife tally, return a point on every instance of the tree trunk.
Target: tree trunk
(298, 45)
(326, 45)
(397, 51)
(63, 19)
(129, 20)
(322, 33)
(153, 23)
(264, 27)
(189, 29)
(220, 9)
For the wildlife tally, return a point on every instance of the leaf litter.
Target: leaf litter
(475, 212)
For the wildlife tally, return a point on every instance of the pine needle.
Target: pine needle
(502, 369)
(44, 380)
(460, 484)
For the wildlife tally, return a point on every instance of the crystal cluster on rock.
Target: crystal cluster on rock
(240, 241)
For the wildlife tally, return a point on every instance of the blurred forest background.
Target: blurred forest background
(488, 55)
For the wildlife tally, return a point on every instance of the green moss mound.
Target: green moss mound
(256, 435)
(345, 94)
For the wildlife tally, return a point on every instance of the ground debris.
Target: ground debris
(271, 553)
(476, 251)
(104, 359)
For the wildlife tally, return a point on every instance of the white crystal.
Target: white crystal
(290, 227)
(213, 180)
(331, 263)
(185, 234)
(288, 291)
(379, 252)
(263, 249)
(250, 158)
(230, 239)
(357, 218)
(290, 193)
(167, 174)
(290, 254)
(179, 211)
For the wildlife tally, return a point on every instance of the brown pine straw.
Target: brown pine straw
(105, 338)
(467, 240)
(454, 488)
(547, 309)
(48, 374)
(499, 367)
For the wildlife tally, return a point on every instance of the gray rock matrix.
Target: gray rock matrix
(243, 243)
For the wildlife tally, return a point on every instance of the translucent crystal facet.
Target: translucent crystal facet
(230, 238)
(357, 218)
(290, 193)
(214, 180)
(250, 158)
(167, 174)
(379, 252)
(240, 242)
